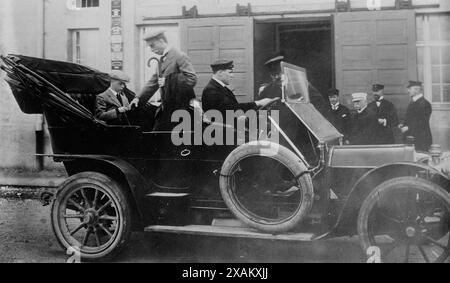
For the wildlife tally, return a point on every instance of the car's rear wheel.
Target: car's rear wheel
(91, 216)
(408, 219)
(267, 187)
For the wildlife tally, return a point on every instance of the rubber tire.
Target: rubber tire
(288, 159)
(409, 182)
(119, 197)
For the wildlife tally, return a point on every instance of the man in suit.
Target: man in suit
(363, 121)
(217, 95)
(417, 120)
(340, 115)
(387, 119)
(112, 106)
(174, 64)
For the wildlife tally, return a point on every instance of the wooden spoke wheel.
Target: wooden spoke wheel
(408, 219)
(91, 215)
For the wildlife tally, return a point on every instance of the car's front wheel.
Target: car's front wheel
(91, 216)
(408, 220)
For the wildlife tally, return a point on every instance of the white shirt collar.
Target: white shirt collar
(113, 91)
(381, 98)
(417, 97)
(335, 106)
(362, 110)
(220, 82)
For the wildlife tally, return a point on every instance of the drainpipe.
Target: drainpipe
(40, 123)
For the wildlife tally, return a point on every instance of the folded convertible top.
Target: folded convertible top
(69, 77)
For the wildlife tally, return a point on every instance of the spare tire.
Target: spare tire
(254, 200)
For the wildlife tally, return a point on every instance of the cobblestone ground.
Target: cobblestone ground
(26, 236)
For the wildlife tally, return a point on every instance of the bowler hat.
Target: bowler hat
(377, 87)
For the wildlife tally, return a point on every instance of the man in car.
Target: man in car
(340, 115)
(274, 88)
(417, 120)
(112, 106)
(387, 119)
(176, 70)
(364, 121)
(217, 95)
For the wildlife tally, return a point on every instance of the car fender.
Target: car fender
(118, 169)
(376, 176)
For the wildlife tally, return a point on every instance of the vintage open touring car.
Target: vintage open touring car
(306, 187)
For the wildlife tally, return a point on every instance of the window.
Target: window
(85, 48)
(433, 55)
(87, 3)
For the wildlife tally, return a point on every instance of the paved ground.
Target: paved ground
(26, 236)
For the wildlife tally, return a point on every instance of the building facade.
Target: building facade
(347, 44)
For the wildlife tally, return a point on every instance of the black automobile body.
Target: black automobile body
(306, 187)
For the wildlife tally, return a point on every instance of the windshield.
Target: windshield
(296, 94)
(295, 83)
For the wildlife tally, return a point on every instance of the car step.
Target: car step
(231, 232)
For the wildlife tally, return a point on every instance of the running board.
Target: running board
(231, 232)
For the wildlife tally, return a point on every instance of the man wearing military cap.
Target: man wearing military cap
(363, 121)
(387, 119)
(417, 120)
(113, 105)
(272, 89)
(173, 63)
(217, 95)
(340, 115)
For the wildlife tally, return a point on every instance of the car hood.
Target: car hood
(370, 156)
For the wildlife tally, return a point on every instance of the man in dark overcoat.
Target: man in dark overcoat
(387, 119)
(417, 120)
(363, 121)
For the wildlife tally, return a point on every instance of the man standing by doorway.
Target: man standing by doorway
(340, 115)
(363, 121)
(174, 64)
(387, 118)
(417, 120)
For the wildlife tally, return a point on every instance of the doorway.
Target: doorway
(307, 43)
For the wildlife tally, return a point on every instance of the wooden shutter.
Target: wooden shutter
(376, 47)
(229, 38)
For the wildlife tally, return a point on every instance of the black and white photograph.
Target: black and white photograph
(241, 132)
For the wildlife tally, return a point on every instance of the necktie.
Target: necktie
(119, 97)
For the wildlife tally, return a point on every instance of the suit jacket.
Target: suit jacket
(174, 62)
(418, 121)
(363, 127)
(341, 119)
(106, 105)
(386, 110)
(217, 97)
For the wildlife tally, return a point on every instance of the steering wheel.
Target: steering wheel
(269, 106)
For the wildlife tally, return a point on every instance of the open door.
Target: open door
(376, 47)
(230, 38)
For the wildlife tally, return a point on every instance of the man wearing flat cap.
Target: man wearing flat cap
(340, 115)
(417, 120)
(174, 64)
(113, 105)
(217, 95)
(363, 121)
(387, 119)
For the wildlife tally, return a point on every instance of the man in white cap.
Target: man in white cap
(112, 105)
(172, 61)
(364, 121)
